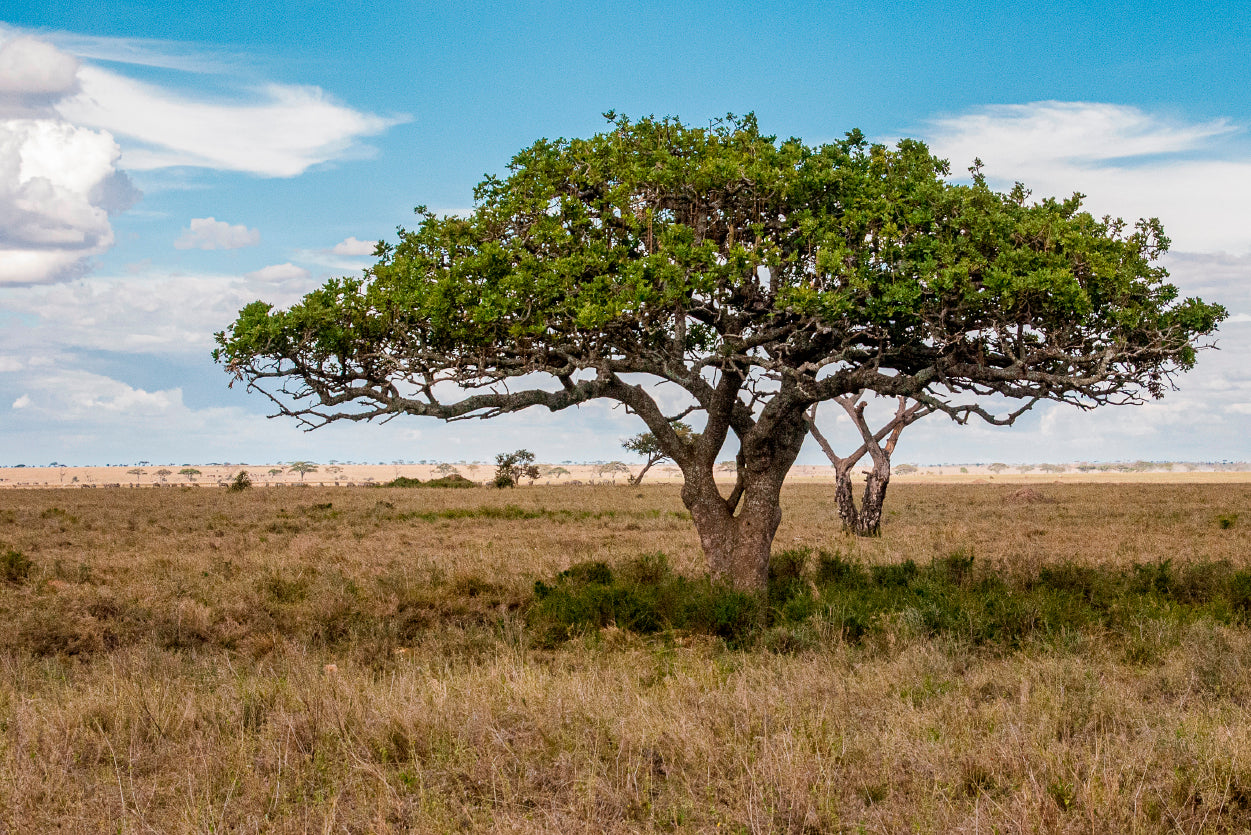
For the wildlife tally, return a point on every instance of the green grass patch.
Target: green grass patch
(953, 596)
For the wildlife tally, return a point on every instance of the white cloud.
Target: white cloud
(143, 313)
(22, 402)
(33, 74)
(352, 246)
(1130, 163)
(58, 181)
(10, 364)
(278, 274)
(276, 130)
(210, 233)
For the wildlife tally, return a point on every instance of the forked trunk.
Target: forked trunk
(738, 546)
(737, 532)
(867, 519)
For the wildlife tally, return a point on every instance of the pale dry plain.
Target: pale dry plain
(344, 475)
(359, 660)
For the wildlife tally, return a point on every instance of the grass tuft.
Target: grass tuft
(15, 566)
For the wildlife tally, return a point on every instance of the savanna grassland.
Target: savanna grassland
(549, 659)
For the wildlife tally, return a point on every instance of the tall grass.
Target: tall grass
(382, 660)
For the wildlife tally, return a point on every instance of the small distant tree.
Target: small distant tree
(511, 467)
(997, 468)
(136, 472)
(906, 469)
(612, 469)
(555, 472)
(302, 467)
(445, 469)
(1052, 468)
(646, 445)
(274, 472)
(240, 482)
(473, 469)
(189, 473)
(163, 474)
(1025, 468)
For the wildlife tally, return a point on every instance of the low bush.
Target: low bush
(14, 566)
(454, 480)
(643, 596)
(950, 596)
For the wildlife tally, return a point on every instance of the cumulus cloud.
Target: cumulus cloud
(276, 130)
(59, 182)
(22, 402)
(352, 246)
(278, 274)
(1130, 162)
(210, 233)
(33, 75)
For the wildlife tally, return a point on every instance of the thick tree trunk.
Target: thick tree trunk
(738, 545)
(737, 532)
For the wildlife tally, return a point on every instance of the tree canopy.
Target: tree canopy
(759, 276)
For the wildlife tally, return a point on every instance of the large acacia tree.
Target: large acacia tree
(759, 276)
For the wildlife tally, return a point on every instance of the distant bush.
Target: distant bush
(241, 482)
(454, 480)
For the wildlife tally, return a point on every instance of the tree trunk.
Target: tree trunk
(867, 519)
(738, 545)
(737, 533)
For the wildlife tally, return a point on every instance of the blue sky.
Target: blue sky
(163, 164)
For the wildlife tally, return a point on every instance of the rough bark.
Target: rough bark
(737, 532)
(865, 520)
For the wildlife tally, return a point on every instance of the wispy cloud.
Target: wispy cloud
(1130, 162)
(278, 274)
(276, 130)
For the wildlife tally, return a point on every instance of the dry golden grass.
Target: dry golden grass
(356, 660)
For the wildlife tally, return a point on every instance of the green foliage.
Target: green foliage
(302, 467)
(455, 481)
(644, 596)
(15, 566)
(950, 596)
(241, 482)
(648, 240)
(511, 467)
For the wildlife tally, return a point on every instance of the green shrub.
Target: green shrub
(643, 596)
(241, 482)
(14, 566)
(454, 480)
(951, 596)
